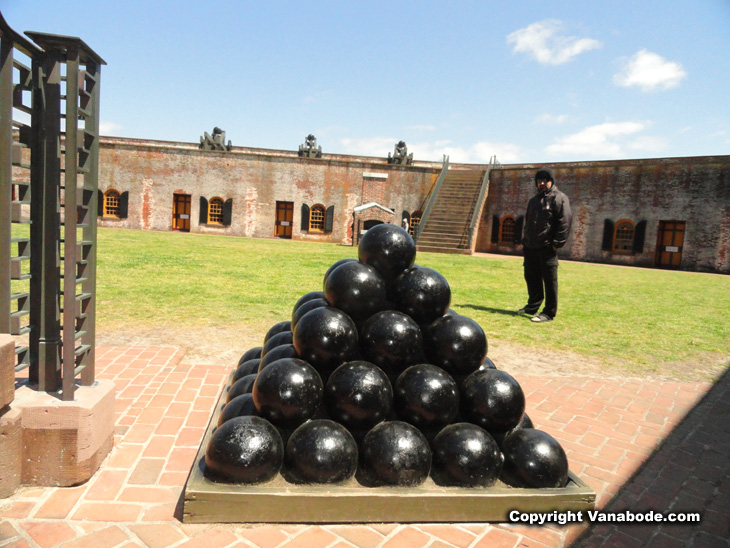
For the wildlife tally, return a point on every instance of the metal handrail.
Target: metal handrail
(480, 199)
(432, 199)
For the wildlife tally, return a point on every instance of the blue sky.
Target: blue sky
(527, 81)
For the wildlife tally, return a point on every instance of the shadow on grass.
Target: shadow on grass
(490, 310)
(687, 473)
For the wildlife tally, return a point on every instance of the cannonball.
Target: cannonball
(493, 400)
(251, 354)
(525, 422)
(244, 385)
(465, 455)
(275, 329)
(320, 451)
(395, 453)
(306, 298)
(283, 351)
(392, 341)
(355, 288)
(388, 248)
(422, 293)
(533, 458)
(246, 368)
(288, 392)
(282, 338)
(244, 450)
(455, 343)
(308, 306)
(426, 397)
(335, 265)
(240, 406)
(487, 364)
(358, 395)
(325, 337)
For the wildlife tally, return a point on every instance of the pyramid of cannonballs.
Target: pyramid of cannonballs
(376, 378)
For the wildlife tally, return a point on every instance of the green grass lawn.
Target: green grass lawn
(636, 319)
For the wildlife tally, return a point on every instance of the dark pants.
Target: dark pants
(541, 271)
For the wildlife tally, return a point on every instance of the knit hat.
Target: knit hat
(544, 173)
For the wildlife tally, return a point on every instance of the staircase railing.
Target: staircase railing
(432, 198)
(480, 201)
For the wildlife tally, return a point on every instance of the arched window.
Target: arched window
(623, 236)
(507, 230)
(413, 225)
(316, 218)
(215, 211)
(111, 204)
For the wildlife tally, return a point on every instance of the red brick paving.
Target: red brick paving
(609, 427)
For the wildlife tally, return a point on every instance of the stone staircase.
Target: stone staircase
(446, 229)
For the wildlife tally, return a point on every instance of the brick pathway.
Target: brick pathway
(609, 428)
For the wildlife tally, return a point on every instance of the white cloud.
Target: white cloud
(543, 42)
(551, 119)
(109, 128)
(650, 72)
(433, 151)
(608, 140)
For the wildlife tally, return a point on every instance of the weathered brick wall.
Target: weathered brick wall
(254, 180)
(694, 190)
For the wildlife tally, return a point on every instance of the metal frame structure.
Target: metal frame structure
(49, 163)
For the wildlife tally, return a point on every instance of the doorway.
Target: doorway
(670, 240)
(181, 212)
(284, 219)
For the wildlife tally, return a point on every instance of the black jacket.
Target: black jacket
(548, 220)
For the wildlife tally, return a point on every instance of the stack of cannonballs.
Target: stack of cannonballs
(376, 378)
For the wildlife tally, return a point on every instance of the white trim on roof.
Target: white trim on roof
(372, 204)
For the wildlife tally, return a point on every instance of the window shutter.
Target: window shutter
(607, 244)
(123, 205)
(203, 211)
(100, 204)
(305, 217)
(405, 217)
(495, 229)
(518, 230)
(329, 218)
(639, 233)
(227, 212)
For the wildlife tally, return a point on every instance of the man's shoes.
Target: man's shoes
(523, 312)
(542, 318)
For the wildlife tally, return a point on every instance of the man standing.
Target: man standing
(547, 226)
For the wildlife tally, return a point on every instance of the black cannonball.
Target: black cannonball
(325, 337)
(251, 354)
(280, 339)
(423, 294)
(244, 385)
(426, 397)
(275, 329)
(487, 364)
(465, 455)
(283, 351)
(288, 392)
(358, 395)
(388, 248)
(392, 341)
(455, 343)
(306, 298)
(335, 265)
(395, 453)
(244, 450)
(355, 288)
(493, 400)
(246, 368)
(320, 451)
(525, 422)
(533, 458)
(319, 302)
(240, 406)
